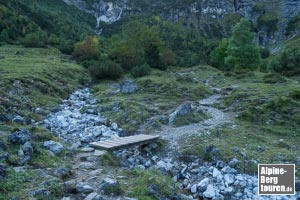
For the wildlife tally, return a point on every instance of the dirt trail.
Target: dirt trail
(175, 136)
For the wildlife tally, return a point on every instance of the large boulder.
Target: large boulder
(27, 149)
(164, 166)
(110, 186)
(19, 136)
(128, 86)
(183, 110)
(53, 146)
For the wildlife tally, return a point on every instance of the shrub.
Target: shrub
(127, 55)
(140, 71)
(36, 39)
(105, 69)
(274, 65)
(273, 78)
(264, 52)
(242, 50)
(219, 54)
(66, 47)
(167, 57)
(295, 94)
(87, 49)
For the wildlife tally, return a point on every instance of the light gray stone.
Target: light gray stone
(209, 192)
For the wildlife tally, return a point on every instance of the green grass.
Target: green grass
(14, 184)
(159, 94)
(138, 182)
(267, 111)
(39, 78)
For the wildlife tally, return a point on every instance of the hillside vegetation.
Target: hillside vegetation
(211, 100)
(36, 78)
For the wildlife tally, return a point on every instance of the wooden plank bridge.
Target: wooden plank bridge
(123, 142)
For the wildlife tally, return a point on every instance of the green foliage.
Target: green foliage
(286, 62)
(138, 39)
(87, 50)
(14, 182)
(264, 52)
(140, 71)
(4, 37)
(22, 17)
(243, 52)
(138, 44)
(104, 69)
(126, 54)
(36, 39)
(219, 54)
(14, 25)
(268, 22)
(293, 25)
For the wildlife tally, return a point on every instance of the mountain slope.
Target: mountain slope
(62, 24)
(274, 21)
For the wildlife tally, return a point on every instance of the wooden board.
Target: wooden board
(123, 142)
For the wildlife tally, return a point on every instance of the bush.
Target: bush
(219, 54)
(167, 57)
(274, 65)
(140, 71)
(295, 94)
(242, 50)
(37, 39)
(105, 69)
(127, 54)
(264, 52)
(66, 47)
(87, 50)
(273, 78)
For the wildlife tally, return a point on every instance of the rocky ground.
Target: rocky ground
(78, 122)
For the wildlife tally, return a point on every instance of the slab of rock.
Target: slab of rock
(53, 146)
(91, 196)
(128, 86)
(82, 187)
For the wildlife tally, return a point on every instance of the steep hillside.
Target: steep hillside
(33, 79)
(39, 23)
(273, 20)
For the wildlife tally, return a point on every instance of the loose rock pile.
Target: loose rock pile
(79, 120)
(202, 180)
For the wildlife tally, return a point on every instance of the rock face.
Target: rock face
(78, 121)
(205, 15)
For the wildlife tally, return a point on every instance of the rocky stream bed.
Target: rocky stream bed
(79, 122)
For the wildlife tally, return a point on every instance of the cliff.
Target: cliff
(274, 20)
